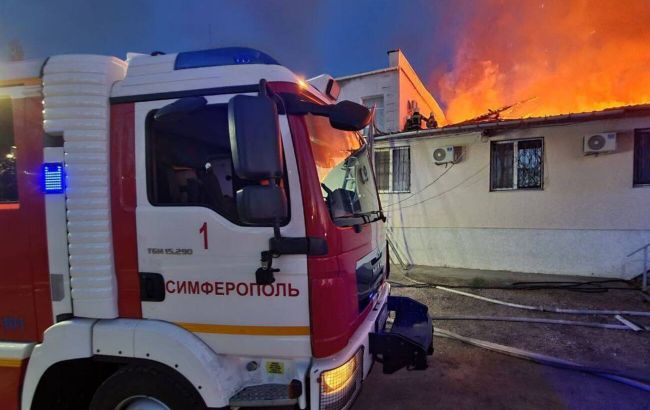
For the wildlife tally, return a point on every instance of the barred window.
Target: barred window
(382, 169)
(642, 157)
(393, 169)
(517, 164)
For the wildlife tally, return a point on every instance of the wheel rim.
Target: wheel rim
(141, 403)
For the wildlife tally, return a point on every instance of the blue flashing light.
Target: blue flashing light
(221, 57)
(53, 178)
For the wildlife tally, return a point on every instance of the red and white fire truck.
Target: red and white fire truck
(191, 230)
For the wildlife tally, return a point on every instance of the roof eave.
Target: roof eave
(628, 111)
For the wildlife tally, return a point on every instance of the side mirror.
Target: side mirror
(262, 205)
(349, 116)
(344, 115)
(255, 137)
(343, 203)
(179, 109)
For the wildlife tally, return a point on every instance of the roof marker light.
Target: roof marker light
(53, 178)
(222, 57)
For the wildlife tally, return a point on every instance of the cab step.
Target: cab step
(408, 340)
(263, 395)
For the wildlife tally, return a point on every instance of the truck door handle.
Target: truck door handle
(152, 287)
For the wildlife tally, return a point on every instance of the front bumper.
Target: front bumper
(406, 342)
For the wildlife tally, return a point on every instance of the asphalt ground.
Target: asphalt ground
(461, 376)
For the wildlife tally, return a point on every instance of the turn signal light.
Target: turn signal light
(336, 379)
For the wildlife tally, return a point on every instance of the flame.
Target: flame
(546, 57)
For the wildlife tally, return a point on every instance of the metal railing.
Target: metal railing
(644, 277)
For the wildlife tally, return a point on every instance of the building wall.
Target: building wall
(412, 89)
(585, 221)
(383, 84)
(398, 84)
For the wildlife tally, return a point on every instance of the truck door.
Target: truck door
(25, 307)
(192, 245)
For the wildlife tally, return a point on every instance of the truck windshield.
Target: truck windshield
(346, 177)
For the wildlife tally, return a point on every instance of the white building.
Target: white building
(393, 91)
(523, 195)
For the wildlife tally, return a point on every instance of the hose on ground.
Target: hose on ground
(536, 320)
(594, 286)
(548, 309)
(630, 380)
(418, 285)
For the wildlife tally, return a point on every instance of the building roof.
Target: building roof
(530, 122)
(373, 72)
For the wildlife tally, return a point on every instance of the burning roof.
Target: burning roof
(481, 124)
(553, 56)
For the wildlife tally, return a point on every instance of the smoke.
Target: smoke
(557, 56)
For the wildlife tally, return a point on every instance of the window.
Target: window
(642, 157)
(344, 172)
(393, 169)
(189, 162)
(8, 175)
(517, 164)
(378, 103)
(382, 169)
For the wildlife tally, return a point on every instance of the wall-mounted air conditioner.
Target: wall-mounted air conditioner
(447, 155)
(599, 143)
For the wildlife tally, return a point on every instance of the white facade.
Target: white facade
(584, 220)
(390, 90)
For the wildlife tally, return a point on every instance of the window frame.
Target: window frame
(635, 159)
(391, 175)
(149, 180)
(382, 127)
(12, 204)
(515, 165)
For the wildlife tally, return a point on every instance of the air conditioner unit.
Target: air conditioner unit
(599, 143)
(446, 155)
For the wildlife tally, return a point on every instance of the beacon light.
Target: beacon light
(53, 178)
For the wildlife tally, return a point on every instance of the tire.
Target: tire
(146, 384)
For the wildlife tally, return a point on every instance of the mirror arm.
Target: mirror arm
(263, 88)
(299, 106)
(264, 275)
(279, 245)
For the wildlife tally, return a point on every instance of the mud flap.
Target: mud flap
(408, 340)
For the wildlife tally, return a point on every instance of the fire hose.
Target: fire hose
(539, 320)
(548, 309)
(633, 381)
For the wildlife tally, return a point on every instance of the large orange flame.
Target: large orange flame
(547, 57)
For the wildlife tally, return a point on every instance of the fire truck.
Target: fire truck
(187, 231)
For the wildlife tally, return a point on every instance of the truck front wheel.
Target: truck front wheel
(144, 387)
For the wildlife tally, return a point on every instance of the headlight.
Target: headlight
(336, 379)
(339, 386)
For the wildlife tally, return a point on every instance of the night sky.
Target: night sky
(311, 37)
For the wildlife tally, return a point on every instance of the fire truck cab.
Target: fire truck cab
(191, 230)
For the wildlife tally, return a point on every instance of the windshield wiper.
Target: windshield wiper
(362, 216)
(367, 216)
